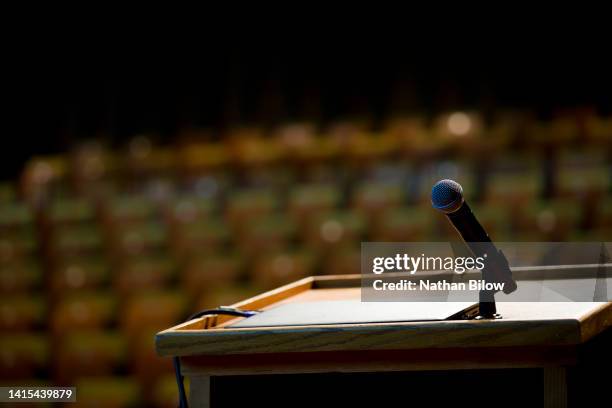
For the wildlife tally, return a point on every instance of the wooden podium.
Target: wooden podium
(539, 354)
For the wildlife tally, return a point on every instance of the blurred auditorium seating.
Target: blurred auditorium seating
(24, 355)
(22, 311)
(83, 310)
(102, 247)
(109, 391)
(88, 353)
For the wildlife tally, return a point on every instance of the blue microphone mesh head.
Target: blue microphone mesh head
(447, 196)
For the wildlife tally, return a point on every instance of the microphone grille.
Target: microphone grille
(447, 196)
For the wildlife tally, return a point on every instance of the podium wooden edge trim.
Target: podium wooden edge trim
(206, 336)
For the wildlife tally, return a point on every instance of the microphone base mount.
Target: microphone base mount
(495, 316)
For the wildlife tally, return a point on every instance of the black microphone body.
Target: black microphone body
(447, 196)
(477, 239)
(467, 225)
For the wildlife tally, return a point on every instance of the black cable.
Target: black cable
(177, 362)
(179, 382)
(223, 311)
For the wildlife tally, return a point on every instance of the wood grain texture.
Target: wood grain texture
(524, 325)
(199, 391)
(378, 336)
(258, 302)
(592, 323)
(555, 387)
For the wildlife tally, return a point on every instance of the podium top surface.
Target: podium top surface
(352, 311)
(524, 324)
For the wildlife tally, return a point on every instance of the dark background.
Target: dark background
(56, 96)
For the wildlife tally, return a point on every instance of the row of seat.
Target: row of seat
(263, 229)
(488, 176)
(94, 333)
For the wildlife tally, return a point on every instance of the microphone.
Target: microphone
(447, 196)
